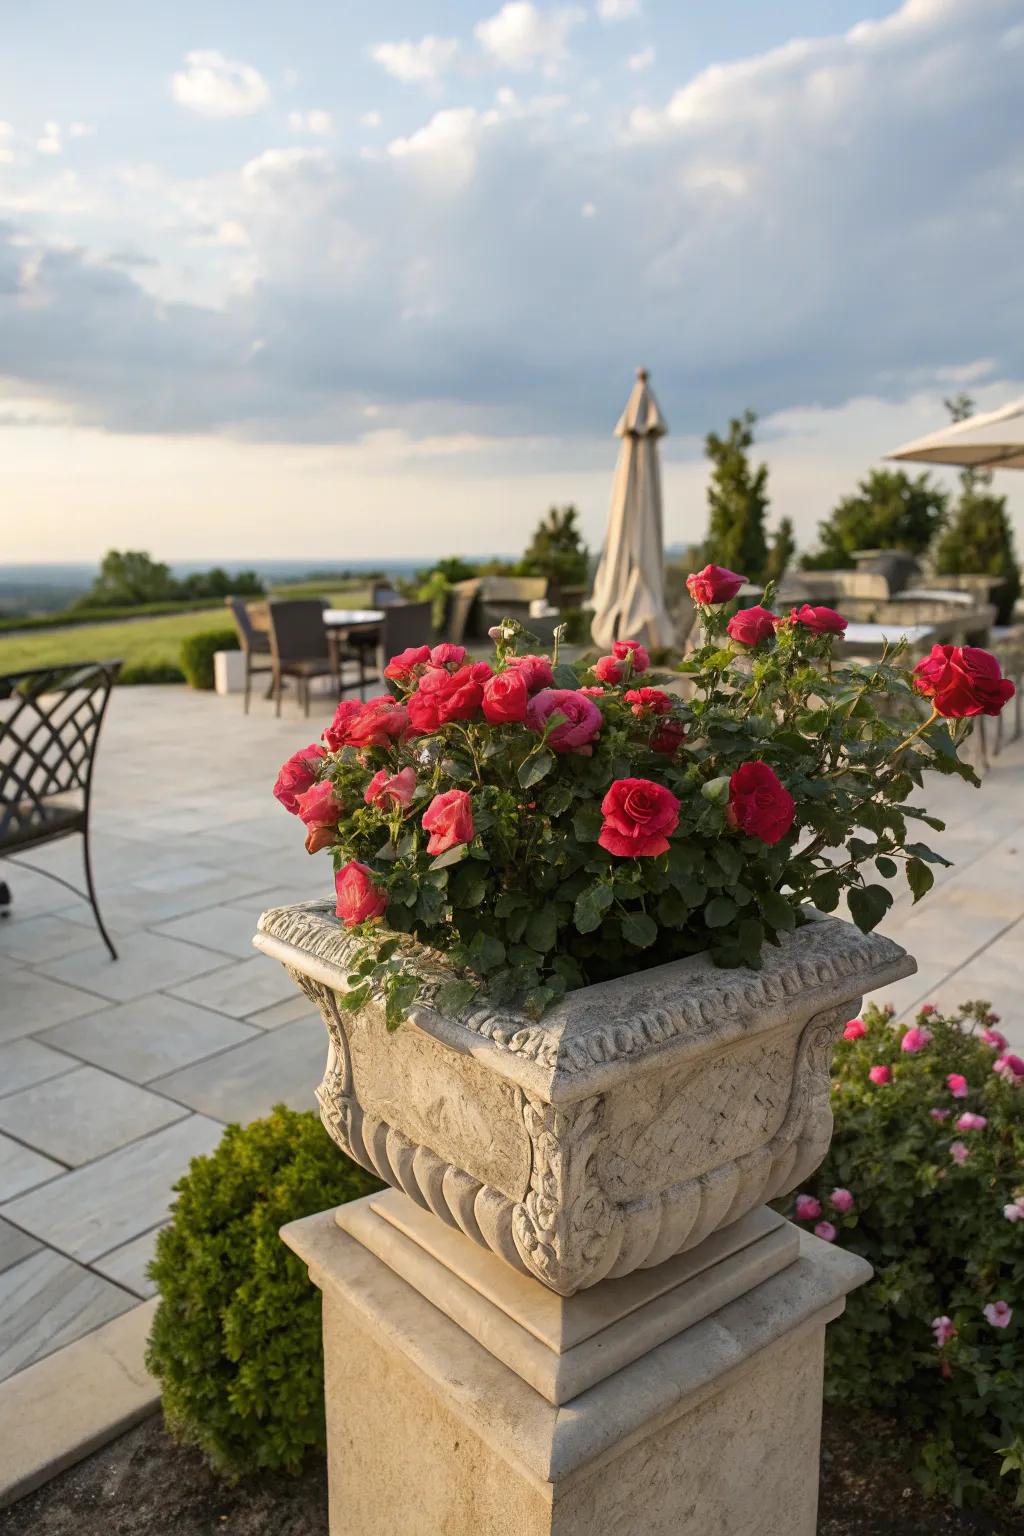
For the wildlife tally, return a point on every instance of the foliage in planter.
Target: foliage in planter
(925, 1179)
(547, 826)
(198, 651)
(236, 1337)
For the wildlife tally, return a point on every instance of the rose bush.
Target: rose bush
(546, 826)
(932, 1194)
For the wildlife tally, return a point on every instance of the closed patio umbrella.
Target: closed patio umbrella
(629, 589)
(994, 440)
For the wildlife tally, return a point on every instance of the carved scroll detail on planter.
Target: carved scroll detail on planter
(567, 1230)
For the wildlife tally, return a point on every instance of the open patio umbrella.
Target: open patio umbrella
(994, 440)
(629, 588)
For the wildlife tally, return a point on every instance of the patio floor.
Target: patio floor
(112, 1076)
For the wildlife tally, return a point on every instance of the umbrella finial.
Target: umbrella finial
(642, 375)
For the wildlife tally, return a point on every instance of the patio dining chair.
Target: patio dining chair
(50, 721)
(298, 646)
(254, 641)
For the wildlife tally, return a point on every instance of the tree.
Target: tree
(889, 511)
(782, 550)
(979, 539)
(737, 501)
(130, 577)
(557, 550)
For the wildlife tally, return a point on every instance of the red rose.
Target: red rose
(296, 775)
(634, 652)
(449, 820)
(648, 701)
(447, 655)
(759, 804)
(319, 806)
(390, 789)
(638, 817)
(378, 723)
(506, 696)
(581, 723)
(445, 696)
(537, 670)
(668, 735)
(358, 897)
(609, 669)
(751, 625)
(408, 664)
(336, 734)
(820, 621)
(963, 680)
(714, 584)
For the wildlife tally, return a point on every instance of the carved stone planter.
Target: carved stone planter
(635, 1119)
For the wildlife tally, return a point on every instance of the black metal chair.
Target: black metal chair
(404, 625)
(50, 721)
(255, 643)
(299, 646)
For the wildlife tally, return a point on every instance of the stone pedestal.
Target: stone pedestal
(464, 1398)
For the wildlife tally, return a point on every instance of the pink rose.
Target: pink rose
(336, 734)
(957, 1085)
(296, 775)
(751, 625)
(537, 671)
(444, 696)
(759, 804)
(449, 820)
(714, 584)
(939, 1114)
(408, 664)
(915, 1039)
(592, 692)
(959, 1151)
(855, 1030)
(842, 1201)
(377, 723)
(994, 1038)
(319, 806)
(447, 655)
(926, 1010)
(880, 1075)
(807, 1208)
(648, 701)
(577, 730)
(1015, 1210)
(610, 670)
(819, 621)
(944, 1330)
(1009, 1067)
(826, 1231)
(633, 652)
(389, 789)
(969, 1121)
(639, 816)
(506, 696)
(999, 1314)
(358, 897)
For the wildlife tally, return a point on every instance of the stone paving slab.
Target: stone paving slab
(147, 1038)
(239, 989)
(148, 964)
(15, 1245)
(127, 1265)
(27, 1061)
(22, 1169)
(32, 1001)
(82, 1115)
(46, 1301)
(281, 1066)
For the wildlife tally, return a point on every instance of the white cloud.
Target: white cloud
(371, 119)
(50, 143)
(81, 131)
(642, 60)
(521, 37)
(218, 87)
(316, 120)
(588, 210)
(617, 10)
(421, 63)
(446, 147)
(6, 151)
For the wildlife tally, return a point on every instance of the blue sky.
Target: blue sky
(339, 279)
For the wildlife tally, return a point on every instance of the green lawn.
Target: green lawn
(139, 643)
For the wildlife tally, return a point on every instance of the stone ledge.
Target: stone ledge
(59, 1410)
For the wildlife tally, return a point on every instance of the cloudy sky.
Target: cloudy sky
(343, 280)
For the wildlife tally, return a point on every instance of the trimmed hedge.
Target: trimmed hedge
(236, 1337)
(198, 651)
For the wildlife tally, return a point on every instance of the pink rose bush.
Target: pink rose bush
(933, 1198)
(545, 826)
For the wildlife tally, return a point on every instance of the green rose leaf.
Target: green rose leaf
(591, 906)
(450, 856)
(719, 911)
(486, 952)
(535, 767)
(639, 929)
(541, 931)
(919, 877)
(868, 905)
(454, 996)
(586, 823)
(886, 867)
(776, 910)
(564, 676)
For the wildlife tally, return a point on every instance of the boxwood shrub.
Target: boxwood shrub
(925, 1179)
(198, 651)
(236, 1337)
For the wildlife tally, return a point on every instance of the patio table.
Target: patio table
(874, 636)
(356, 628)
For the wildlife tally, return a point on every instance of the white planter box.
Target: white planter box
(229, 671)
